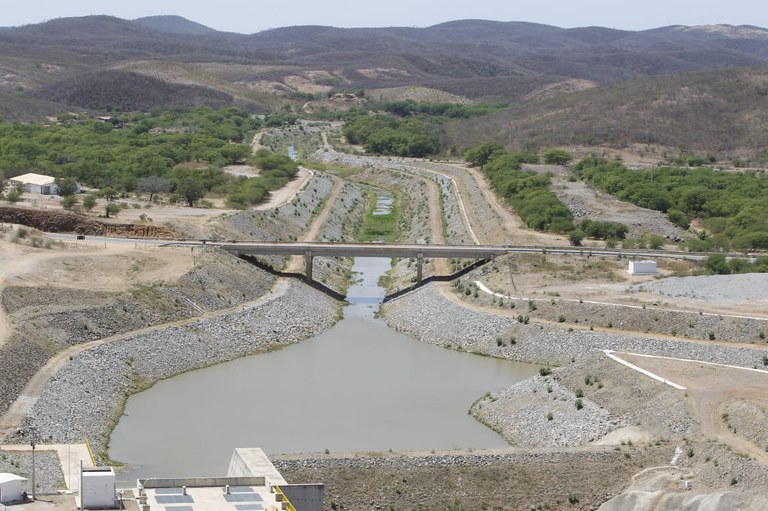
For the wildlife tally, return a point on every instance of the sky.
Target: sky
(256, 15)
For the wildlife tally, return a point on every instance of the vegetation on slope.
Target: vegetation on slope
(527, 191)
(124, 91)
(408, 128)
(731, 206)
(180, 151)
(720, 113)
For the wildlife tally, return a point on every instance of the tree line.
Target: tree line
(179, 151)
(527, 191)
(731, 207)
(407, 127)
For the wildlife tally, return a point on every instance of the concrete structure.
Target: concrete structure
(311, 250)
(642, 268)
(253, 461)
(10, 488)
(252, 483)
(35, 183)
(97, 488)
(419, 252)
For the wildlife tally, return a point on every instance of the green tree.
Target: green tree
(65, 186)
(111, 209)
(69, 202)
(191, 189)
(153, 185)
(482, 154)
(717, 265)
(575, 237)
(12, 196)
(89, 202)
(108, 193)
(556, 157)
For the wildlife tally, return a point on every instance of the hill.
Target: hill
(581, 85)
(174, 25)
(721, 112)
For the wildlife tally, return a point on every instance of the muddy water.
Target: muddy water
(360, 386)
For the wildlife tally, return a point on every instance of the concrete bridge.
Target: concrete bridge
(310, 250)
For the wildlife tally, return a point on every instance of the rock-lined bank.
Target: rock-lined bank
(426, 315)
(48, 475)
(84, 399)
(503, 479)
(629, 398)
(50, 319)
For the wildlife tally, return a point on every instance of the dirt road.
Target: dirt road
(295, 263)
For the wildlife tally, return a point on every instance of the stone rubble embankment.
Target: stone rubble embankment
(84, 399)
(429, 317)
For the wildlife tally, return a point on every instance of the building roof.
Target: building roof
(6, 477)
(34, 179)
(212, 494)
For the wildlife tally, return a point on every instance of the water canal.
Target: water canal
(359, 386)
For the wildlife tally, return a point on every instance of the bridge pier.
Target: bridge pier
(419, 266)
(308, 258)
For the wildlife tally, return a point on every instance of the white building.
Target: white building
(10, 488)
(97, 488)
(642, 268)
(35, 183)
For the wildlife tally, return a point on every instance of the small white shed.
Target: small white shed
(97, 489)
(10, 488)
(642, 268)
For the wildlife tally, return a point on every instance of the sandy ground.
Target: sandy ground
(709, 389)
(112, 267)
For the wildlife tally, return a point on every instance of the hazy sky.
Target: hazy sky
(256, 15)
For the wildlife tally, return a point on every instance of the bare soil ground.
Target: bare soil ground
(710, 389)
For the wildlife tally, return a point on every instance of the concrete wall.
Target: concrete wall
(305, 497)
(98, 489)
(10, 491)
(642, 268)
(253, 462)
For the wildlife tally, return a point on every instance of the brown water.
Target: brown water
(359, 386)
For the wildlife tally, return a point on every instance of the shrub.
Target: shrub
(545, 371)
(579, 393)
(579, 404)
(550, 416)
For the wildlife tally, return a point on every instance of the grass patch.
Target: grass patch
(380, 227)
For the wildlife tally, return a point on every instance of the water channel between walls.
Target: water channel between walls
(360, 386)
